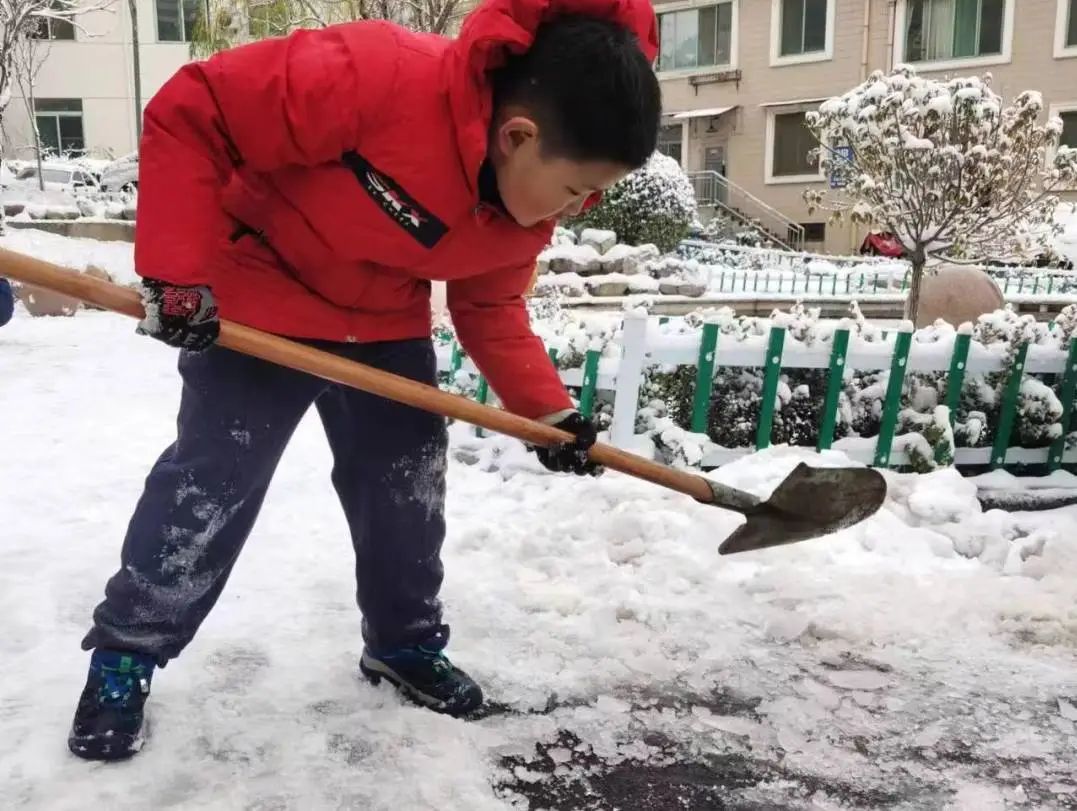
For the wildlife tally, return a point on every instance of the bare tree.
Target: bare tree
(225, 23)
(21, 20)
(30, 54)
(944, 166)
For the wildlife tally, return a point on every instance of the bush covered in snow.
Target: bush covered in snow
(654, 205)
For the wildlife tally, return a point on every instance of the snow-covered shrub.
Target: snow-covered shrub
(929, 438)
(655, 204)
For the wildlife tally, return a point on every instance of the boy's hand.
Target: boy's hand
(183, 317)
(571, 457)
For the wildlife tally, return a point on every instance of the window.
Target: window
(791, 143)
(803, 27)
(49, 28)
(814, 231)
(176, 19)
(60, 123)
(1066, 29)
(939, 30)
(696, 38)
(669, 142)
(1069, 128)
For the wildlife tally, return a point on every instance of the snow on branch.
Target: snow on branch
(943, 164)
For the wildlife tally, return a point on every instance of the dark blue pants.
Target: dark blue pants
(236, 416)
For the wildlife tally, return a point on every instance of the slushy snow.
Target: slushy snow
(924, 659)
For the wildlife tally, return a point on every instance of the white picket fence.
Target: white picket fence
(643, 345)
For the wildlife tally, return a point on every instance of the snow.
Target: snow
(118, 258)
(924, 659)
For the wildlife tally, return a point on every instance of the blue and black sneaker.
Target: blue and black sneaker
(425, 676)
(108, 720)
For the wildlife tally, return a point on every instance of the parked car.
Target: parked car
(57, 177)
(121, 174)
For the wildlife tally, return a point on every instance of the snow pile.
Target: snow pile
(78, 254)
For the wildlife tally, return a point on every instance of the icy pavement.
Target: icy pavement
(925, 660)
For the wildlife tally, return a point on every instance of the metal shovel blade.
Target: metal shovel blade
(809, 503)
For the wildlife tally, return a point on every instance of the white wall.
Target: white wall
(97, 68)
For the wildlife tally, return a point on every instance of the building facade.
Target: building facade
(738, 76)
(84, 96)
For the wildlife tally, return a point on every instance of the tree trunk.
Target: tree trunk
(136, 64)
(37, 138)
(912, 303)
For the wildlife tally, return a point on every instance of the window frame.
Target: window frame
(1058, 108)
(695, 5)
(184, 38)
(773, 111)
(49, 22)
(1062, 21)
(80, 114)
(825, 55)
(958, 63)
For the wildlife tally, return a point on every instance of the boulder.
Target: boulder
(41, 302)
(638, 259)
(691, 289)
(956, 294)
(580, 259)
(601, 241)
(609, 285)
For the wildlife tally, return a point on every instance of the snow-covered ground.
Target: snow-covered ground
(925, 659)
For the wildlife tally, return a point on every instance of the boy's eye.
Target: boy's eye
(572, 191)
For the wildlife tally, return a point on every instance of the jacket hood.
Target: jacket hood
(497, 28)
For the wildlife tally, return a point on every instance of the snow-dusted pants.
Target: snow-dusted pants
(202, 497)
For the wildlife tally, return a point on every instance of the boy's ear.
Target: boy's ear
(515, 133)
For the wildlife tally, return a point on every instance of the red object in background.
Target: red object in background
(883, 245)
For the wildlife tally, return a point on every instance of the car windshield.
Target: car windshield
(56, 175)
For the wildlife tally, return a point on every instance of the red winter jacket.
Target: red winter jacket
(351, 155)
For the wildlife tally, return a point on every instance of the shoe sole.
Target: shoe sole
(374, 671)
(92, 747)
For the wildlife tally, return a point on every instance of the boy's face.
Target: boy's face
(536, 187)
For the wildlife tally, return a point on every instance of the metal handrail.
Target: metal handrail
(788, 233)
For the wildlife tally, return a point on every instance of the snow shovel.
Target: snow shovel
(809, 503)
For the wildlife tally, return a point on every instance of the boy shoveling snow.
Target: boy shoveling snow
(314, 186)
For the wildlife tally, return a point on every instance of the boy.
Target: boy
(312, 186)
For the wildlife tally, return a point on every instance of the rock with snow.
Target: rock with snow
(583, 260)
(607, 285)
(637, 261)
(601, 240)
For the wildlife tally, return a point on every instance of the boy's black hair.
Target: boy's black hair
(589, 88)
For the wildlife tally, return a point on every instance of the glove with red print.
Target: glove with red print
(183, 317)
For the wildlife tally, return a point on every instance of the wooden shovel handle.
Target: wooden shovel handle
(350, 373)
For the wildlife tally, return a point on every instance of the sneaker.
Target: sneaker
(108, 720)
(426, 677)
